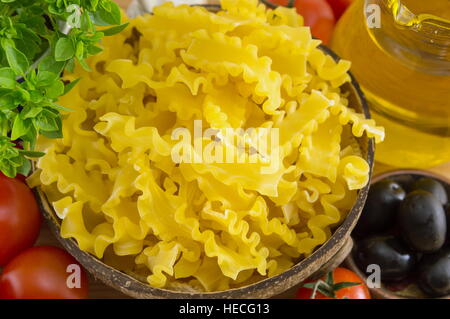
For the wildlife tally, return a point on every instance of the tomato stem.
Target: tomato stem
(328, 287)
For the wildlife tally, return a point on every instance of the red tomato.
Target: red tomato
(19, 177)
(317, 14)
(20, 220)
(339, 7)
(340, 275)
(43, 273)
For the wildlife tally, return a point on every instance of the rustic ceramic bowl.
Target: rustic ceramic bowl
(412, 292)
(324, 258)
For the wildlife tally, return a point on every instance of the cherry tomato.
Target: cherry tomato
(317, 14)
(20, 220)
(43, 273)
(340, 275)
(339, 7)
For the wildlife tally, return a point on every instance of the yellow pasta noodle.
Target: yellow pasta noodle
(203, 222)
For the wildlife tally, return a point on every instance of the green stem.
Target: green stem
(314, 292)
(317, 286)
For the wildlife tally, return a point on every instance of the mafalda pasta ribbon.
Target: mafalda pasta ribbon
(196, 224)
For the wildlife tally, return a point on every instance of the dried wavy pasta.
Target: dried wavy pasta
(200, 225)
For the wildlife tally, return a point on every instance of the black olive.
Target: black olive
(447, 214)
(393, 257)
(432, 186)
(422, 222)
(434, 276)
(406, 181)
(380, 210)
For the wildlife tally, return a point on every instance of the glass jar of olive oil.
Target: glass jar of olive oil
(400, 53)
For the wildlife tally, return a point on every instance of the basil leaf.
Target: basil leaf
(16, 59)
(19, 128)
(35, 23)
(7, 78)
(115, 30)
(21, 95)
(31, 112)
(46, 124)
(93, 50)
(70, 86)
(53, 134)
(46, 78)
(106, 5)
(104, 17)
(60, 108)
(79, 52)
(55, 90)
(25, 168)
(70, 66)
(85, 65)
(57, 133)
(31, 153)
(86, 22)
(28, 47)
(51, 65)
(93, 4)
(9, 170)
(7, 102)
(36, 96)
(4, 124)
(30, 137)
(64, 49)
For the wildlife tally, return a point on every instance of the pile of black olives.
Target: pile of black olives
(405, 229)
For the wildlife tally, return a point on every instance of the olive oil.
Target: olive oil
(403, 68)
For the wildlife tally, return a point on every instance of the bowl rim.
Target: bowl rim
(350, 262)
(410, 171)
(264, 288)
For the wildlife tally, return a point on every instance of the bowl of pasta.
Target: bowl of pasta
(212, 152)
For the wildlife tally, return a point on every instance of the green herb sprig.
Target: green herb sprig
(39, 39)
